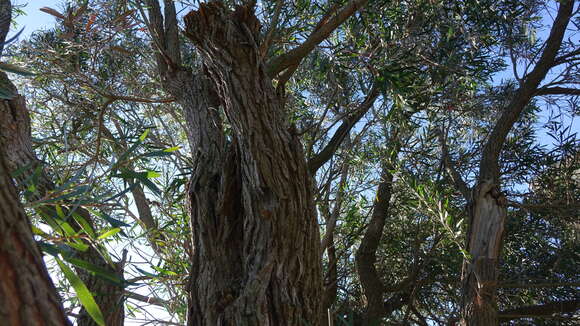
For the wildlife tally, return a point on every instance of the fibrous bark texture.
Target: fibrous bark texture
(27, 295)
(16, 142)
(253, 220)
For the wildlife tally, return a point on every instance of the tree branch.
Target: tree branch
(270, 34)
(557, 91)
(543, 310)
(365, 258)
(149, 300)
(326, 153)
(294, 56)
(489, 166)
(458, 181)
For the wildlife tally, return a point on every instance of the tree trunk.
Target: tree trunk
(16, 142)
(27, 295)
(488, 213)
(488, 209)
(255, 234)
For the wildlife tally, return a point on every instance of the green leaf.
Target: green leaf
(49, 248)
(144, 135)
(7, 67)
(95, 270)
(153, 174)
(78, 246)
(171, 149)
(109, 233)
(164, 271)
(157, 153)
(84, 224)
(146, 273)
(143, 177)
(38, 231)
(50, 221)
(84, 295)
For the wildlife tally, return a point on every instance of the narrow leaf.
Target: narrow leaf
(83, 293)
(109, 233)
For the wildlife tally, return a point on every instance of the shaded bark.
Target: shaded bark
(15, 140)
(264, 227)
(373, 287)
(27, 294)
(542, 310)
(253, 223)
(488, 206)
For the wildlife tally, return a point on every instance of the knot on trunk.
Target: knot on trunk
(492, 189)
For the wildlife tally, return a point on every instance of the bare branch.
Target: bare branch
(149, 300)
(558, 91)
(489, 166)
(458, 181)
(325, 154)
(543, 310)
(270, 34)
(294, 56)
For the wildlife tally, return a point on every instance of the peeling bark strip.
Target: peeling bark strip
(257, 252)
(27, 295)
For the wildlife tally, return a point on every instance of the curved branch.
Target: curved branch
(489, 166)
(326, 154)
(372, 285)
(294, 56)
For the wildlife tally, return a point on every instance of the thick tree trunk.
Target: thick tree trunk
(15, 141)
(27, 295)
(253, 219)
(488, 213)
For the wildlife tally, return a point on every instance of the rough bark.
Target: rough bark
(27, 294)
(256, 251)
(488, 206)
(16, 142)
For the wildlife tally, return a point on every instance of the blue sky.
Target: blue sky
(34, 18)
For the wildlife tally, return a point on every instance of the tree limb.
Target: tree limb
(326, 153)
(458, 181)
(149, 300)
(489, 166)
(558, 91)
(543, 310)
(294, 56)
